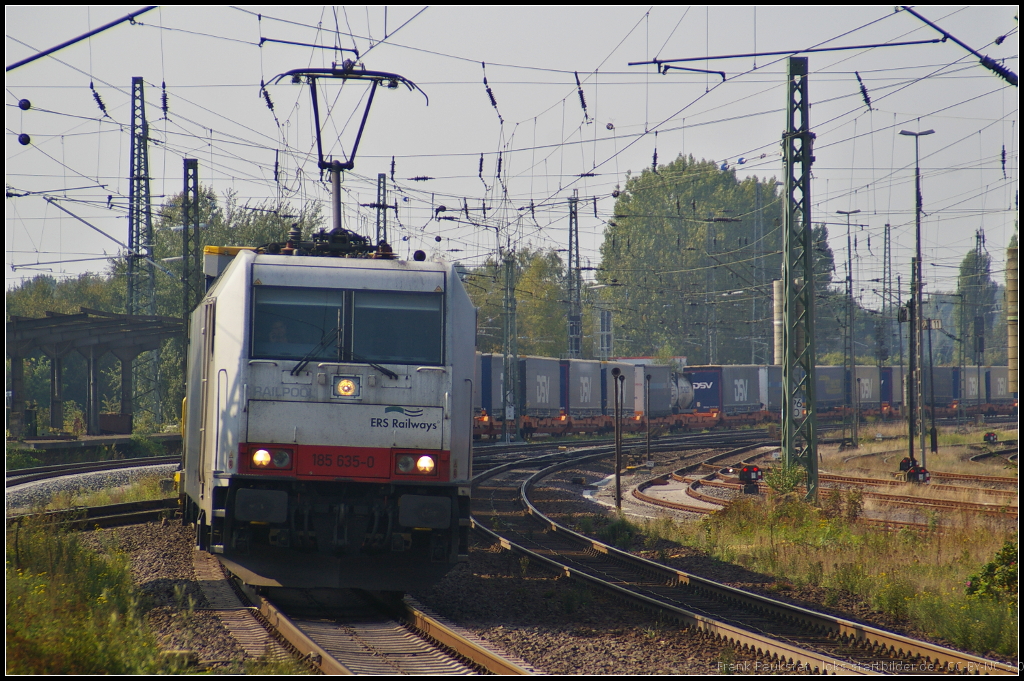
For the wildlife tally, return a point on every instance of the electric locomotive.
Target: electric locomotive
(328, 415)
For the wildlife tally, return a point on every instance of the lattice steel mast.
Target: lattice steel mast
(192, 288)
(799, 422)
(141, 284)
(575, 284)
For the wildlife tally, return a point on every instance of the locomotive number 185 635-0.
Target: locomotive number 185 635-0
(343, 461)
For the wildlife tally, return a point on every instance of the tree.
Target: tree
(541, 303)
(222, 223)
(977, 320)
(682, 265)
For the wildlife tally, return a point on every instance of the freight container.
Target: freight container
(972, 384)
(773, 388)
(580, 387)
(660, 389)
(491, 384)
(741, 392)
(477, 387)
(830, 386)
(608, 388)
(707, 387)
(997, 384)
(946, 386)
(867, 385)
(539, 379)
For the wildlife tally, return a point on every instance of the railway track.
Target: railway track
(823, 643)
(350, 632)
(26, 475)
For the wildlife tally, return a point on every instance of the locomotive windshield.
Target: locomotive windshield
(397, 328)
(390, 327)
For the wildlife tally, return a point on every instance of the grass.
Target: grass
(71, 610)
(918, 577)
(146, 487)
(953, 455)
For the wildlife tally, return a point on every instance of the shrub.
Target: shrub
(997, 579)
(71, 610)
(783, 478)
(619, 532)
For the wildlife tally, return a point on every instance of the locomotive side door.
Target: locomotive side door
(206, 373)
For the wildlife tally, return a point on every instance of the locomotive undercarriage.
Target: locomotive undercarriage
(336, 534)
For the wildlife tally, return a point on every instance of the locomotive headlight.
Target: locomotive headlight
(415, 464)
(282, 458)
(346, 386)
(261, 458)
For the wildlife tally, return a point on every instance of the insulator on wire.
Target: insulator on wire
(595, 206)
(392, 168)
(163, 98)
(266, 96)
(490, 94)
(499, 164)
(583, 101)
(1003, 158)
(533, 214)
(99, 100)
(465, 208)
(654, 161)
(863, 91)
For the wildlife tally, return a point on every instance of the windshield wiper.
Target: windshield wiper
(322, 345)
(387, 372)
(331, 336)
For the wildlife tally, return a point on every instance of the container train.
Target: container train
(328, 417)
(562, 396)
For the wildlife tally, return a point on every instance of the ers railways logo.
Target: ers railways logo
(406, 421)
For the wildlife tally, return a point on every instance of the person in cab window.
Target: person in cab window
(278, 332)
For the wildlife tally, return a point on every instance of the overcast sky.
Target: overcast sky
(212, 64)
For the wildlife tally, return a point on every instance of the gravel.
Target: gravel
(161, 561)
(559, 627)
(23, 498)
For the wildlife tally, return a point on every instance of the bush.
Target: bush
(997, 579)
(619, 532)
(783, 478)
(21, 458)
(72, 611)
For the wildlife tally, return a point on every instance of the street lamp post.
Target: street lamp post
(850, 319)
(916, 293)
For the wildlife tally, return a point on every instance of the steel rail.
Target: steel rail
(25, 475)
(859, 634)
(92, 517)
(446, 639)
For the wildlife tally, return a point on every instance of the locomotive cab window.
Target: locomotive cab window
(397, 328)
(391, 327)
(290, 323)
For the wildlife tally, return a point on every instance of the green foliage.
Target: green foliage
(619, 532)
(980, 625)
(979, 295)
(997, 578)
(140, 446)
(223, 222)
(783, 478)
(681, 238)
(71, 610)
(21, 458)
(541, 307)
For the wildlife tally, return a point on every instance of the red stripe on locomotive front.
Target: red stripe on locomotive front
(358, 464)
